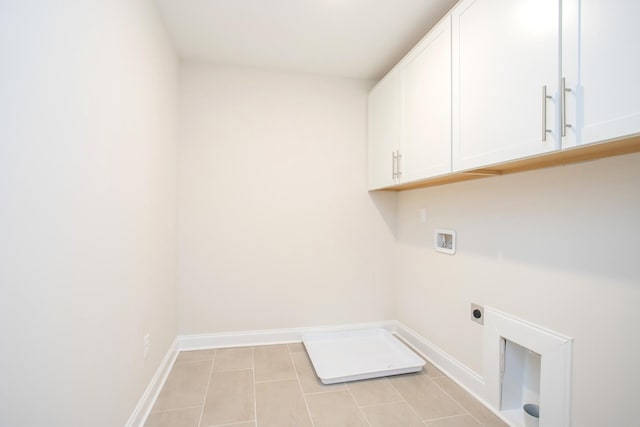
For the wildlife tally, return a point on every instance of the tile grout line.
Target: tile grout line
(358, 406)
(233, 370)
(206, 390)
(417, 353)
(235, 423)
(190, 362)
(443, 375)
(409, 404)
(182, 408)
(304, 397)
(450, 416)
(327, 391)
(375, 405)
(275, 381)
(255, 394)
(456, 400)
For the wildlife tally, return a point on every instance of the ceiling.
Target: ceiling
(349, 38)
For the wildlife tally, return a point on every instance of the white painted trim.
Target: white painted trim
(266, 337)
(458, 372)
(148, 399)
(555, 375)
(443, 361)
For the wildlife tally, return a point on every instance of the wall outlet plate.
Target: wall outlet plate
(445, 241)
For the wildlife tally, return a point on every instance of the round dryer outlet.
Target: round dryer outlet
(477, 313)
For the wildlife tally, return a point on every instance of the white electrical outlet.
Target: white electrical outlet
(146, 342)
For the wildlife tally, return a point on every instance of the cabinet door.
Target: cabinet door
(601, 63)
(504, 52)
(384, 131)
(426, 102)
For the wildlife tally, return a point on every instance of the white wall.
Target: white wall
(88, 92)
(276, 228)
(557, 247)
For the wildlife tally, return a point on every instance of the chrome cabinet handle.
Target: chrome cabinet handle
(544, 113)
(394, 163)
(563, 121)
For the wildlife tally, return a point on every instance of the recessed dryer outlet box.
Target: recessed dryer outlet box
(477, 313)
(445, 241)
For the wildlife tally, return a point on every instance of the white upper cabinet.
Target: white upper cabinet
(505, 54)
(384, 131)
(601, 65)
(499, 81)
(426, 102)
(410, 115)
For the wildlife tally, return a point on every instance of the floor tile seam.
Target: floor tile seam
(358, 406)
(380, 379)
(473, 416)
(412, 348)
(206, 391)
(182, 408)
(255, 394)
(428, 420)
(270, 351)
(324, 392)
(302, 368)
(464, 408)
(275, 380)
(456, 400)
(433, 377)
(231, 424)
(190, 362)
(230, 370)
(234, 423)
(374, 405)
(304, 398)
(296, 351)
(424, 421)
(468, 412)
(287, 356)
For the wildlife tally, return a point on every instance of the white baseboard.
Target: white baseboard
(458, 372)
(148, 399)
(266, 337)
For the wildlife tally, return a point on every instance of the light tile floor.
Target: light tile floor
(275, 386)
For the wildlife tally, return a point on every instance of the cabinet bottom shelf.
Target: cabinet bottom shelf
(557, 158)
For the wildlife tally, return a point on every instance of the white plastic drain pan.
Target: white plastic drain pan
(357, 355)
